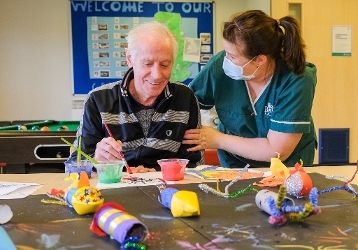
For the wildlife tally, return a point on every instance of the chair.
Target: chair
(211, 157)
(2, 165)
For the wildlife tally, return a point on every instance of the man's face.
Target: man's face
(152, 63)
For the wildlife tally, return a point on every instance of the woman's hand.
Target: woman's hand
(203, 138)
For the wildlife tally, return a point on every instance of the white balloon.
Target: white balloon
(5, 214)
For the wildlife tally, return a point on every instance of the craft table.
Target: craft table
(224, 223)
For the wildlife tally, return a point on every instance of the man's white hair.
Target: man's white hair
(152, 28)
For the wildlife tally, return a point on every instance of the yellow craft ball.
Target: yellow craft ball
(185, 204)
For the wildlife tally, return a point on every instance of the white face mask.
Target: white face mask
(237, 72)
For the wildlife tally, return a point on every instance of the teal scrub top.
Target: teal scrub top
(284, 106)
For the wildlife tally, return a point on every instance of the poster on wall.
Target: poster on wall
(341, 41)
(99, 30)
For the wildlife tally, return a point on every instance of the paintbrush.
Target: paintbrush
(129, 170)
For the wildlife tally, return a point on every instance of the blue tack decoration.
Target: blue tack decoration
(327, 190)
(272, 204)
(292, 209)
(314, 196)
(165, 197)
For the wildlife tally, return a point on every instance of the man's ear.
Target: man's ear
(128, 58)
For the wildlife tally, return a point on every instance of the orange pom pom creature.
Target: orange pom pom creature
(299, 183)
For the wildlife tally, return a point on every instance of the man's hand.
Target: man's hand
(108, 149)
(142, 169)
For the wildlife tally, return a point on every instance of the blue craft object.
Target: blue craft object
(5, 240)
(165, 197)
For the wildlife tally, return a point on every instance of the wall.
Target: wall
(35, 71)
(335, 104)
(35, 66)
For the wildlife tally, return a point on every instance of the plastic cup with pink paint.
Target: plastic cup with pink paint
(173, 169)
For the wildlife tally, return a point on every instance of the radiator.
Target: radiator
(333, 146)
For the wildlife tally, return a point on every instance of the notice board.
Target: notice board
(99, 30)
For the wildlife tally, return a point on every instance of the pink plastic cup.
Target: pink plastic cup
(173, 169)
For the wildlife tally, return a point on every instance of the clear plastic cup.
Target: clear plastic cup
(110, 172)
(173, 169)
(77, 167)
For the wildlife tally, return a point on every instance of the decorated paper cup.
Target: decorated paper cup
(262, 200)
(109, 172)
(77, 167)
(173, 169)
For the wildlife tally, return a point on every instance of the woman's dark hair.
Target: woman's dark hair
(263, 35)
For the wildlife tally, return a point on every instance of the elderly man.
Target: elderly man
(145, 112)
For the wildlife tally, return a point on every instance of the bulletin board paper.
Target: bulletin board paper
(99, 30)
(341, 41)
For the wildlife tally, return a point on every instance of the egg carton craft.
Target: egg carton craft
(80, 196)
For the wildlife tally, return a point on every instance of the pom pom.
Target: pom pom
(277, 220)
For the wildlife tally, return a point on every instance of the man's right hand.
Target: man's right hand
(108, 149)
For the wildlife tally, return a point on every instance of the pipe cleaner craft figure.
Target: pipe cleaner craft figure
(347, 186)
(206, 188)
(113, 220)
(80, 195)
(181, 203)
(283, 209)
